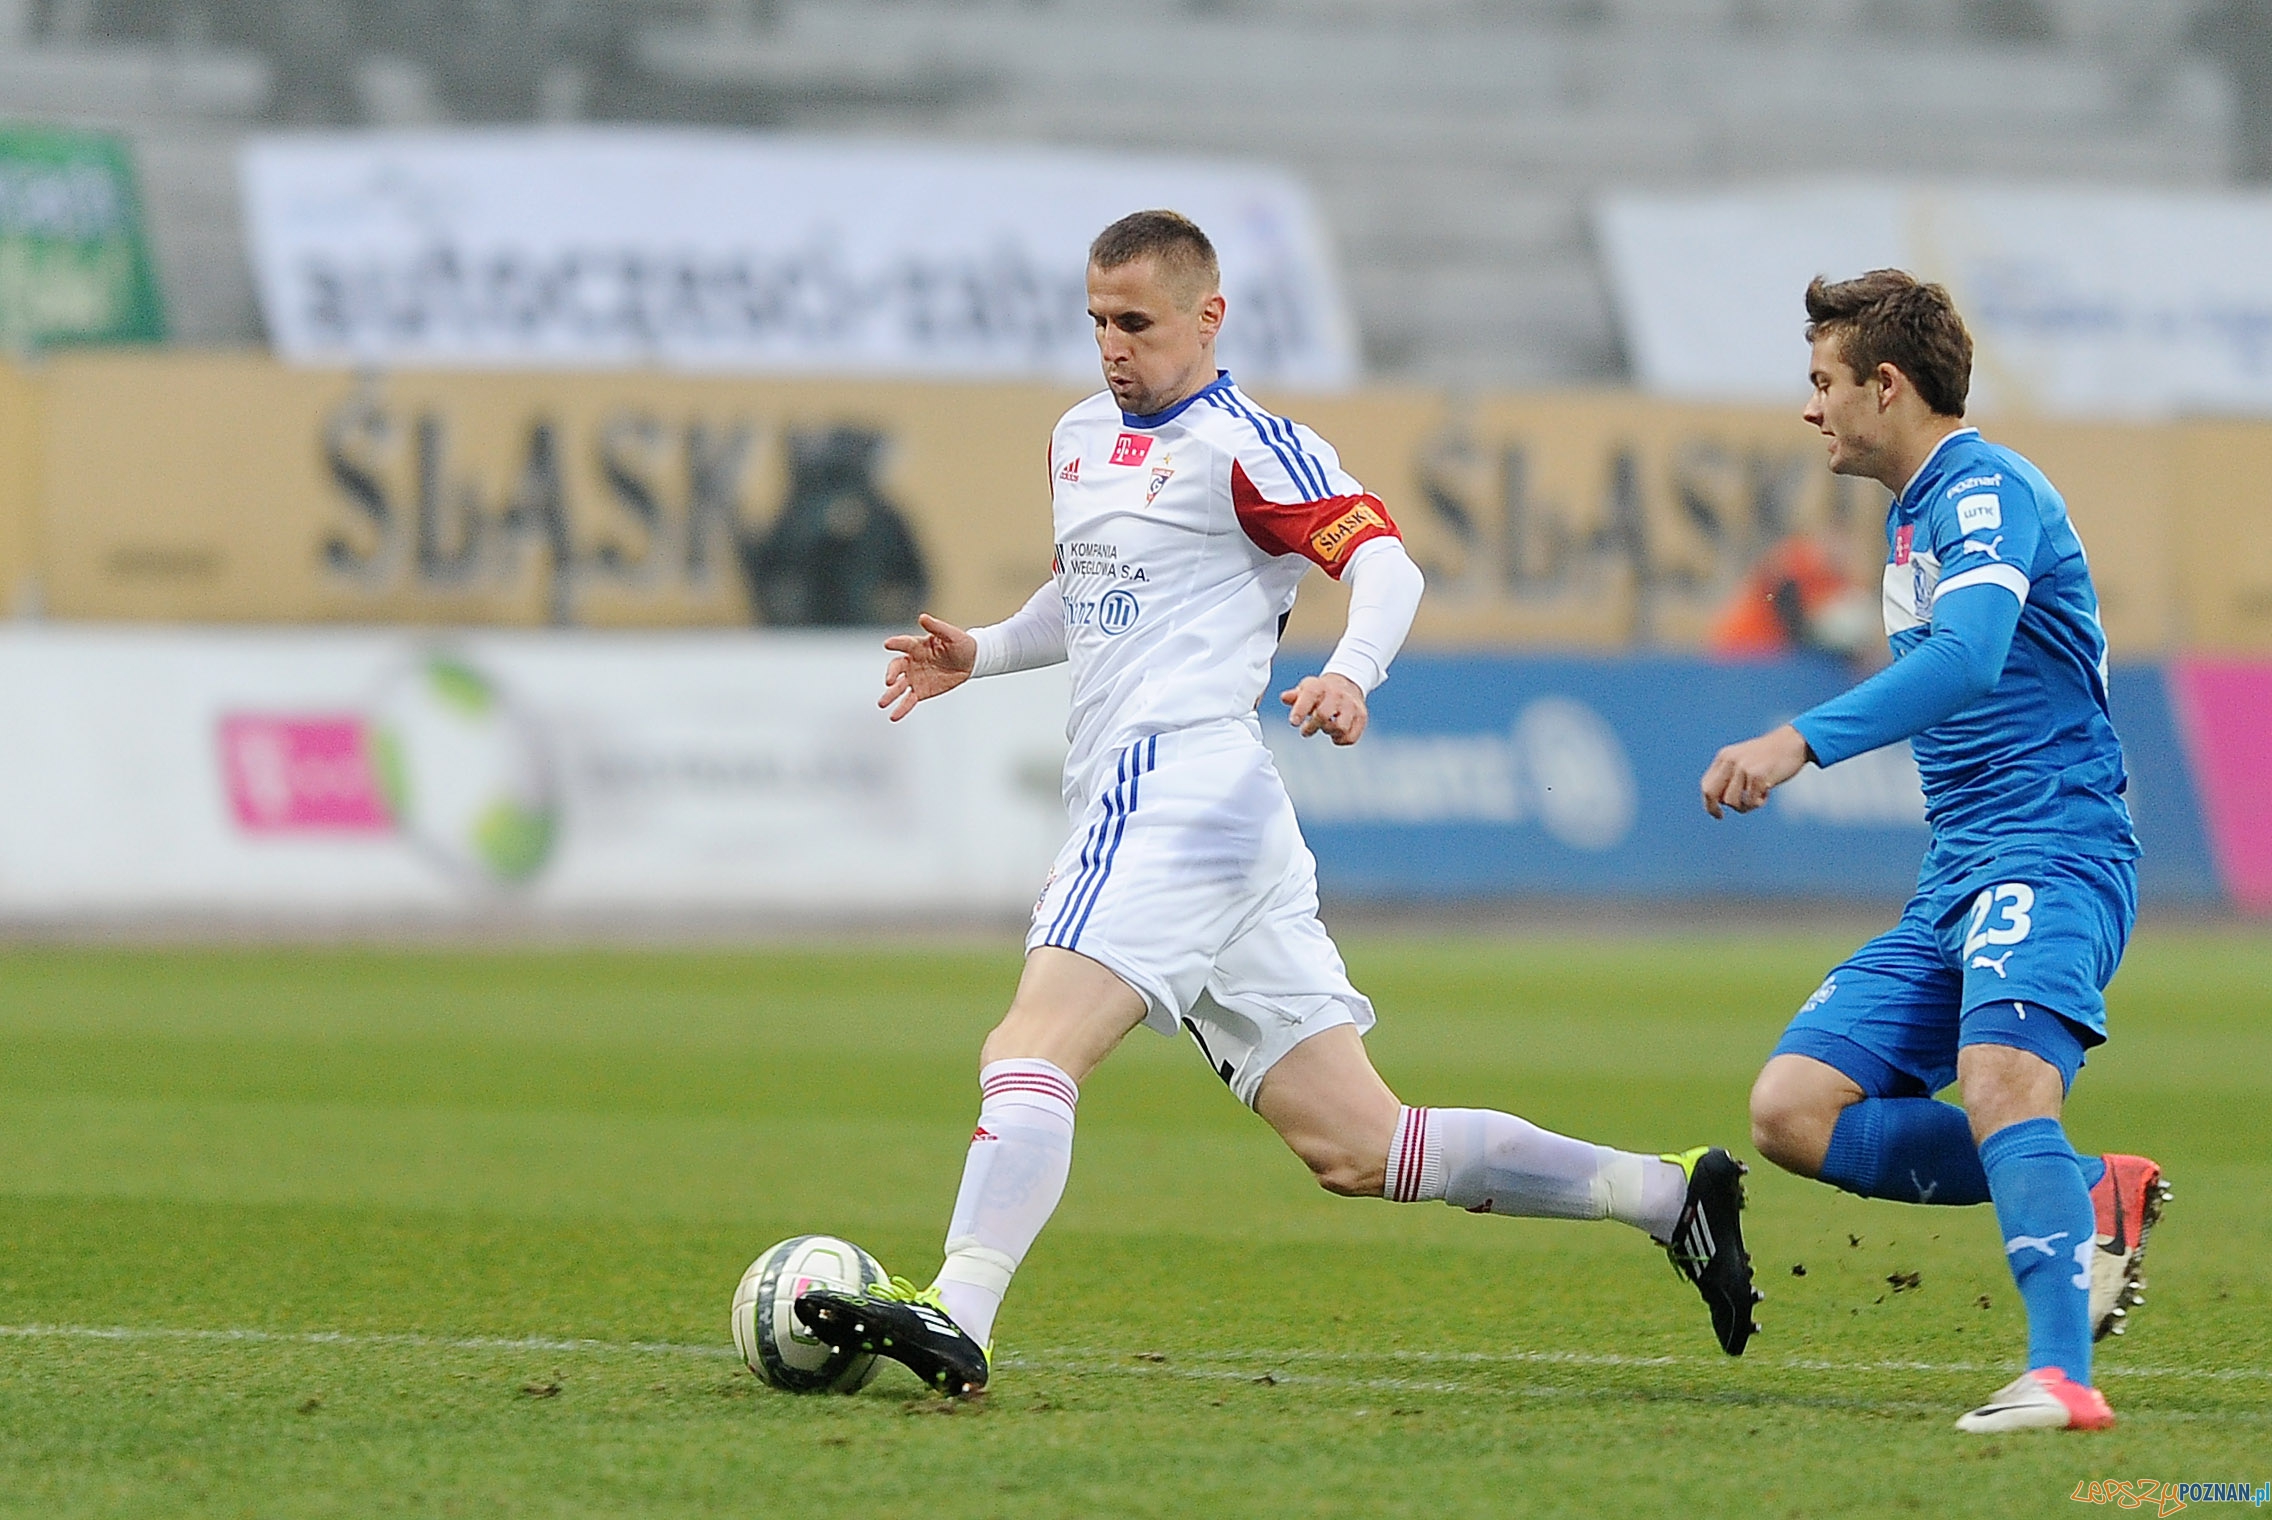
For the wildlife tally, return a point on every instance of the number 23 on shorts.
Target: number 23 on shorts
(1999, 917)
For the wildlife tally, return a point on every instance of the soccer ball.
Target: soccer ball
(767, 1331)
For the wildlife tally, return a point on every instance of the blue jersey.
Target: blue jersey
(1999, 673)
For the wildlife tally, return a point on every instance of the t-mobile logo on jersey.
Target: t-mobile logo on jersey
(1130, 448)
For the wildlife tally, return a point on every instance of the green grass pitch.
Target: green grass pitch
(354, 1233)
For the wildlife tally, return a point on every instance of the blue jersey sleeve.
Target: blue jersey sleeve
(1983, 534)
(1952, 667)
(1985, 531)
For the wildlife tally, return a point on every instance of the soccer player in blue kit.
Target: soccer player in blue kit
(1994, 977)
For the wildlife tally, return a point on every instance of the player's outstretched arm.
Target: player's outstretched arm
(1384, 593)
(1956, 665)
(925, 665)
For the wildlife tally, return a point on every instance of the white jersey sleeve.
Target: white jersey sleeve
(1384, 594)
(1027, 639)
(1290, 492)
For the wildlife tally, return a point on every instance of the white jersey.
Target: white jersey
(1180, 539)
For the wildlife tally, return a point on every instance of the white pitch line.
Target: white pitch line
(2098, 1369)
(354, 1338)
(1201, 1364)
(1126, 1366)
(1613, 1359)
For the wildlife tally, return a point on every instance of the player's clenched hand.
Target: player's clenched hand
(1327, 704)
(1742, 775)
(926, 664)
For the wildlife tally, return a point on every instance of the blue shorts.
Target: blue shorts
(2013, 950)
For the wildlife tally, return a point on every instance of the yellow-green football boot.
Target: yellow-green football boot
(1707, 1244)
(906, 1323)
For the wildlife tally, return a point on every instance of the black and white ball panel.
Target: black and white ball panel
(767, 1332)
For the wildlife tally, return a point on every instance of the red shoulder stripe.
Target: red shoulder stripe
(1324, 532)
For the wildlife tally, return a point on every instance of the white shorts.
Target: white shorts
(1187, 875)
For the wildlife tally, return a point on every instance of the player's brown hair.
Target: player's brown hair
(1184, 256)
(1889, 316)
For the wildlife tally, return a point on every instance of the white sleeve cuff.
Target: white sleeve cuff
(2011, 577)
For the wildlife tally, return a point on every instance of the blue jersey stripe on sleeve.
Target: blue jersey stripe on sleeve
(1310, 479)
(1285, 430)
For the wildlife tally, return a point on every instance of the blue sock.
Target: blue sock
(1911, 1150)
(2094, 1170)
(2049, 1235)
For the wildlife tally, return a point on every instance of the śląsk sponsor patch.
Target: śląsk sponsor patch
(1332, 539)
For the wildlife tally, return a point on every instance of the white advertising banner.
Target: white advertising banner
(2081, 302)
(327, 775)
(590, 247)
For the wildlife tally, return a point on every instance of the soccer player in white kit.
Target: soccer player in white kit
(1185, 517)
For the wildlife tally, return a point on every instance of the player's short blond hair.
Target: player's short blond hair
(1173, 241)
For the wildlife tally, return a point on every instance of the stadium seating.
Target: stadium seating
(1454, 144)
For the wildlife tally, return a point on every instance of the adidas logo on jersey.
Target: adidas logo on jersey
(982, 1133)
(1071, 472)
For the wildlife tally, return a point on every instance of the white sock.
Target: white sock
(1492, 1163)
(1020, 1155)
